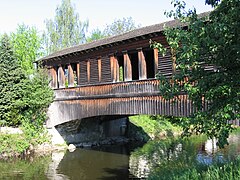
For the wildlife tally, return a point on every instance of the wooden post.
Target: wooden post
(117, 69)
(78, 73)
(70, 76)
(99, 69)
(142, 65)
(173, 53)
(54, 82)
(88, 71)
(155, 61)
(114, 68)
(61, 77)
(127, 67)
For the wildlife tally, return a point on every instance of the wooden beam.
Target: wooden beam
(116, 64)
(155, 61)
(78, 73)
(99, 69)
(113, 67)
(54, 82)
(173, 53)
(61, 77)
(142, 67)
(70, 76)
(88, 71)
(127, 67)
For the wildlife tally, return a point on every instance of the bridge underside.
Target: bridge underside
(102, 100)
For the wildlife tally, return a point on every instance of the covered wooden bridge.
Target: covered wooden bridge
(112, 76)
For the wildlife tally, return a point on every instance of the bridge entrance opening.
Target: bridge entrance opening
(134, 62)
(149, 56)
(121, 69)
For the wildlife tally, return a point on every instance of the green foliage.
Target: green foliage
(119, 26)
(26, 45)
(209, 42)
(177, 158)
(13, 143)
(95, 35)
(36, 97)
(219, 171)
(65, 30)
(11, 78)
(155, 126)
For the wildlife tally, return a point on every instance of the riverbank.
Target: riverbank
(15, 143)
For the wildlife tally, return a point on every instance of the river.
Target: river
(127, 161)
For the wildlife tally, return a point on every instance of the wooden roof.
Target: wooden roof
(119, 38)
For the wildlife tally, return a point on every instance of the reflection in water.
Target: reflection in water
(123, 161)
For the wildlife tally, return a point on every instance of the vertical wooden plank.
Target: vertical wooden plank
(78, 73)
(117, 69)
(112, 67)
(155, 52)
(53, 74)
(70, 76)
(173, 52)
(61, 77)
(99, 69)
(127, 67)
(142, 65)
(88, 71)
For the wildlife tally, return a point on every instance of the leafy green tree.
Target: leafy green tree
(27, 46)
(36, 97)
(95, 35)
(11, 77)
(65, 30)
(207, 58)
(23, 99)
(119, 26)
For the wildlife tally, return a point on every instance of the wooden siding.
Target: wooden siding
(106, 69)
(126, 98)
(165, 63)
(94, 77)
(83, 73)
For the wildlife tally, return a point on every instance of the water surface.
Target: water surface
(122, 161)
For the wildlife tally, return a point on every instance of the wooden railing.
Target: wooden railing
(110, 89)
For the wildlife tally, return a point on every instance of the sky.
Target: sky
(97, 12)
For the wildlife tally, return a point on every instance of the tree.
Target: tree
(11, 77)
(95, 35)
(65, 30)
(27, 46)
(23, 100)
(119, 26)
(210, 42)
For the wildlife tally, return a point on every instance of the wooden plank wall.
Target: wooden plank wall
(165, 63)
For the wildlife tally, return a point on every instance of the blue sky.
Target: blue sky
(98, 12)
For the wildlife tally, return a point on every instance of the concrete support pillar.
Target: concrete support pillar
(78, 73)
(70, 76)
(127, 67)
(155, 61)
(61, 77)
(142, 67)
(53, 74)
(99, 69)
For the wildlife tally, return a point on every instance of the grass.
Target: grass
(155, 126)
(13, 143)
(228, 171)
